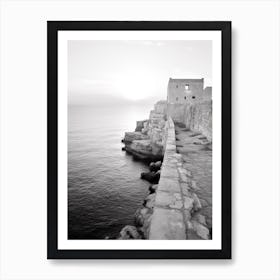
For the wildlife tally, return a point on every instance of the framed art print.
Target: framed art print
(139, 140)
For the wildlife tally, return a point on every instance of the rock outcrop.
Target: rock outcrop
(155, 166)
(129, 232)
(143, 218)
(129, 137)
(140, 125)
(152, 176)
(146, 142)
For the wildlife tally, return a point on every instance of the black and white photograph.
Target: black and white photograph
(139, 140)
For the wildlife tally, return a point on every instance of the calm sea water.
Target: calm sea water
(104, 185)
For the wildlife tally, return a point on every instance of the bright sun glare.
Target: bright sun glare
(135, 86)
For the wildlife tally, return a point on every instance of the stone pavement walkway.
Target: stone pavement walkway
(196, 154)
(176, 203)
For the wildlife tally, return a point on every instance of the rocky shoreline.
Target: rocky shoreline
(143, 215)
(148, 143)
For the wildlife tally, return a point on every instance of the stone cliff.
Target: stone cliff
(146, 142)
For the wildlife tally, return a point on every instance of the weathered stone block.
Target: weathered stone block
(129, 232)
(188, 203)
(131, 136)
(178, 156)
(201, 230)
(168, 158)
(200, 219)
(169, 185)
(193, 185)
(169, 171)
(170, 147)
(171, 141)
(196, 205)
(168, 199)
(167, 224)
(149, 202)
(140, 125)
(188, 216)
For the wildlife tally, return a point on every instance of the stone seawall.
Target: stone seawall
(175, 199)
(196, 116)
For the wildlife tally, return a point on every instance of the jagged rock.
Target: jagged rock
(188, 203)
(149, 202)
(140, 125)
(155, 166)
(139, 216)
(145, 128)
(161, 107)
(201, 230)
(153, 188)
(147, 141)
(196, 204)
(145, 229)
(152, 177)
(129, 232)
(193, 185)
(142, 214)
(195, 230)
(200, 218)
(152, 166)
(131, 136)
(144, 149)
(203, 202)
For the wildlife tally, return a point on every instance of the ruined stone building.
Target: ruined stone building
(188, 102)
(186, 91)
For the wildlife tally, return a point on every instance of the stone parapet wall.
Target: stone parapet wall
(176, 112)
(175, 199)
(196, 116)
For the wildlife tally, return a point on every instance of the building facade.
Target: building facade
(182, 91)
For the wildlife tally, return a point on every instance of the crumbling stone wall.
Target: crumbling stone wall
(196, 116)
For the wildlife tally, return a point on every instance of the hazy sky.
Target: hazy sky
(132, 71)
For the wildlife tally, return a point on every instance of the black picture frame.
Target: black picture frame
(52, 102)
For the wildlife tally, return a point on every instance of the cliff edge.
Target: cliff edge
(147, 141)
